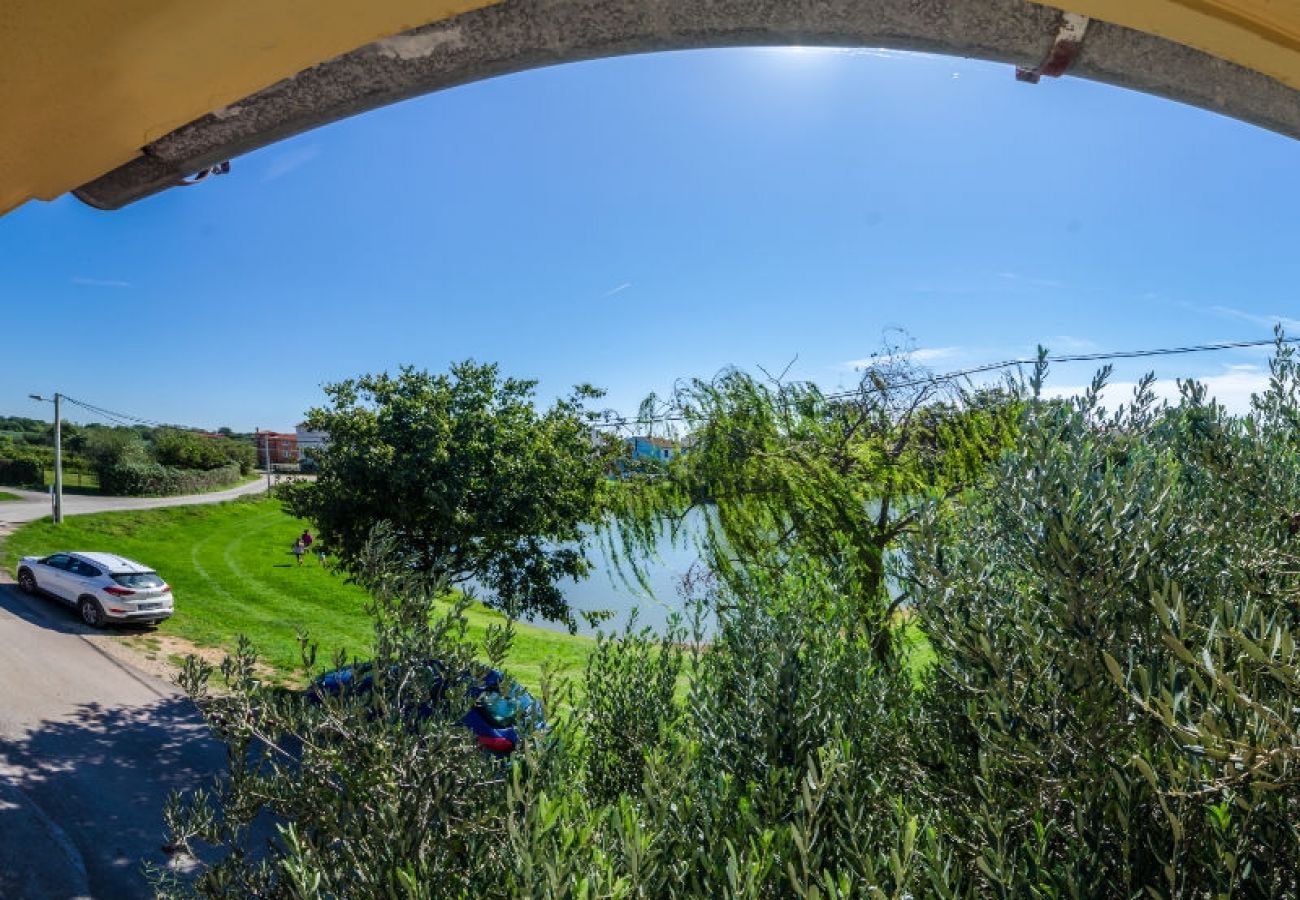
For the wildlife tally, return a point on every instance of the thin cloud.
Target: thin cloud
(921, 355)
(100, 282)
(1030, 280)
(1232, 387)
(1064, 343)
(945, 290)
(287, 162)
(1266, 320)
(933, 354)
(622, 287)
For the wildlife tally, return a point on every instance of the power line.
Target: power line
(129, 420)
(998, 366)
(121, 418)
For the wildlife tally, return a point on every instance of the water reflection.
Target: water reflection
(606, 589)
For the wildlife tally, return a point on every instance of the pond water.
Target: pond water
(606, 589)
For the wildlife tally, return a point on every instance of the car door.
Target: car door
(51, 574)
(79, 579)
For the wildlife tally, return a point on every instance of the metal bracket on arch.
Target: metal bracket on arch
(221, 168)
(1065, 49)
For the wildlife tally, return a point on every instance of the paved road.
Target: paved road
(89, 750)
(90, 747)
(36, 504)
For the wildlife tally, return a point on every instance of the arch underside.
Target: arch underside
(516, 35)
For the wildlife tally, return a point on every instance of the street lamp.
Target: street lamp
(58, 453)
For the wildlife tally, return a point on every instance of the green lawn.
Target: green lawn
(232, 572)
(80, 482)
(5, 495)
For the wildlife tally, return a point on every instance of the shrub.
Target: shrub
(22, 473)
(190, 450)
(1115, 699)
(241, 453)
(155, 480)
(113, 446)
(370, 804)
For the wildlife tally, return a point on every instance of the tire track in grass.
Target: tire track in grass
(195, 624)
(277, 598)
(230, 606)
(270, 597)
(277, 604)
(261, 616)
(202, 572)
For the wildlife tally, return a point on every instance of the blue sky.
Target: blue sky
(631, 221)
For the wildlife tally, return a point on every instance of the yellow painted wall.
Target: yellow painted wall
(84, 84)
(1263, 35)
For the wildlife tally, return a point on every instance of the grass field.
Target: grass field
(5, 495)
(232, 572)
(78, 482)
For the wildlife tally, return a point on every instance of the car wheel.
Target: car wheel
(27, 581)
(91, 614)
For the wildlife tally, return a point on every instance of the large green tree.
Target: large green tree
(474, 483)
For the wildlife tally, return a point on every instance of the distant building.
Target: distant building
(310, 440)
(655, 448)
(276, 448)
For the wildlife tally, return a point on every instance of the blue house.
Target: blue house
(652, 448)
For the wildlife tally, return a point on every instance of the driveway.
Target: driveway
(36, 504)
(89, 749)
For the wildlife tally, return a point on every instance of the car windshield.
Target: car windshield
(138, 579)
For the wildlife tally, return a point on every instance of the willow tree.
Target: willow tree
(782, 469)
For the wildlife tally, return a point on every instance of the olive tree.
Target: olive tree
(1114, 706)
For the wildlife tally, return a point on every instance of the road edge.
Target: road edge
(18, 862)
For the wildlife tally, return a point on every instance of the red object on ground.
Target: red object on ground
(495, 744)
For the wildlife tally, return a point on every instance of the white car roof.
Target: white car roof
(118, 565)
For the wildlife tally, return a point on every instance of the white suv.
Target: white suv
(104, 588)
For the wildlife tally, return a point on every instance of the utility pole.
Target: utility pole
(267, 441)
(58, 453)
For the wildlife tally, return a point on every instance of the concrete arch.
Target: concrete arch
(516, 35)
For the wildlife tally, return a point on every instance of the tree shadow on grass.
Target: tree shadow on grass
(102, 775)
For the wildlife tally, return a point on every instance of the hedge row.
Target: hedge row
(21, 472)
(155, 480)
